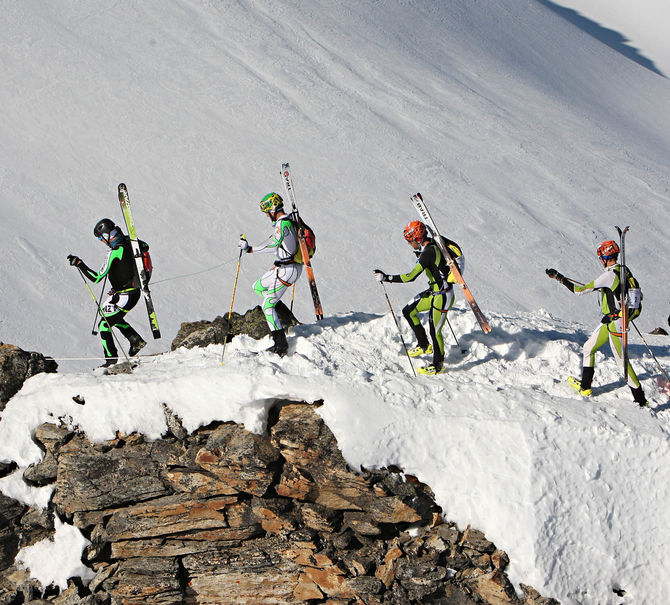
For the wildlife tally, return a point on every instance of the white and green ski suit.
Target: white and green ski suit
(274, 283)
(607, 283)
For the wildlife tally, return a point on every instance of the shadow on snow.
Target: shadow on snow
(612, 38)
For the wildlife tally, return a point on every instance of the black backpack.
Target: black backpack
(444, 265)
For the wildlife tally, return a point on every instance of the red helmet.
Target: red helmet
(608, 250)
(415, 232)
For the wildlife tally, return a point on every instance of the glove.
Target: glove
(244, 245)
(610, 317)
(380, 276)
(553, 274)
(75, 261)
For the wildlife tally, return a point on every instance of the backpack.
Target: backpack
(633, 295)
(305, 232)
(146, 259)
(457, 255)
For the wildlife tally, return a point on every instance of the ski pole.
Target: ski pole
(230, 313)
(454, 335)
(397, 325)
(97, 311)
(652, 353)
(97, 304)
(292, 297)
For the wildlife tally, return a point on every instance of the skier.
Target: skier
(437, 299)
(611, 323)
(274, 283)
(125, 292)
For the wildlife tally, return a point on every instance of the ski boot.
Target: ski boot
(639, 397)
(577, 385)
(137, 343)
(430, 370)
(583, 386)
(419, 350)
(280, 346)
(109, 361)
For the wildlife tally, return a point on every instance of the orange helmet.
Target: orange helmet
(415, 232)
(608, 250)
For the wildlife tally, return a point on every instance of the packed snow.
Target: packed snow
(569, 487)
(529, 140)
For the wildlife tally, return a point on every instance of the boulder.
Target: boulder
(16, 366)
(11, 512)
(253, 323)
(102, 476)
(316, 471)
(50, 438)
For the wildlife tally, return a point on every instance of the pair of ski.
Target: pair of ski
(427, 219)
(623, 281)
(124, 200)
(290, 194)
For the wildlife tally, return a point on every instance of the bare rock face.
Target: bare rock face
(16, 366)
(226, 516)
(252, 323)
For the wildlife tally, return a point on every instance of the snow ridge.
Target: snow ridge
(554, 479)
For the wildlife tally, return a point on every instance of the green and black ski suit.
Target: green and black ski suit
(120, 269)
(437, 299)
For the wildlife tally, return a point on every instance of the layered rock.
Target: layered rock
(16, 366)
(226, 516)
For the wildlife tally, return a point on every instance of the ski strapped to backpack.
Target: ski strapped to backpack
(142, 259)
(630, 298)
(303, 233)
(425, 216)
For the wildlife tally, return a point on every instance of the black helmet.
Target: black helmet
(103, 229)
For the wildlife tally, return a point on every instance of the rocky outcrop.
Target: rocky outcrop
(16, 366)
(253, 323)
(226, 516)
(20, 526)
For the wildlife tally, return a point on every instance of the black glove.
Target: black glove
(553, 274)
(244, 245)
(381, 276)
(610, 317)
(75, 261)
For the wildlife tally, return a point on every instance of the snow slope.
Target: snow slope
(573, 490)
(529, 139)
